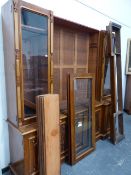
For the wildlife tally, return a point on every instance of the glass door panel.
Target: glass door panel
(81, 96)
(83, 115)
(34, 57)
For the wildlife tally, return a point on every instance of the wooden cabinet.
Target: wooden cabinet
(31, 153)
(40, 51)
(24, 150)
(27, 37)
(28, 48)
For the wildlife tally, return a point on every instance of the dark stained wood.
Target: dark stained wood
(76, 116)
(116, 120)
(98, 119)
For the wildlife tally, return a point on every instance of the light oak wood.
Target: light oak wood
(49, 134)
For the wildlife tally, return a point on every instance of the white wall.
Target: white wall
(92, 13)
(4, 143)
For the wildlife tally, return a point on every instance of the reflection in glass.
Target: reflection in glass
(83, 114)
(107, 84)
(35, 58)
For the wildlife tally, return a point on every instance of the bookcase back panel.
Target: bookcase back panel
(82, 49)
(72, 48)
(68, 49)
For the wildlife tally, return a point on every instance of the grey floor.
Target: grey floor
(107, 159)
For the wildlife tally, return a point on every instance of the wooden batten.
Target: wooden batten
(48, 134)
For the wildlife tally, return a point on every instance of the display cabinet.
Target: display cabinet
(81, 115)
(27, 38)
(27, 52)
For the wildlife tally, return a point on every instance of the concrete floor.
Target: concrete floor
(107, 159)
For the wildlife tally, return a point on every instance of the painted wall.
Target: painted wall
(92, 13)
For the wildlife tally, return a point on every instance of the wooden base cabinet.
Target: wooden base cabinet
(23, 150)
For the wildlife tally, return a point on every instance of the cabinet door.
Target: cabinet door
(64, 136)
(34, 57)
(81, 112)
(33, 44)
(30, 154)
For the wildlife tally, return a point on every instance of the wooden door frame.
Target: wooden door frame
(72, 155)
(17, 6)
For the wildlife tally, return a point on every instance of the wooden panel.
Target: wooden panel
(106, 115)
(81, 70)
(65, 73)
(82, 49)
(56, 81)
(49, 134)
(68, 47)
(30, 154)
(98, 114)
(71, 51)
(56, 53)
(9, 60)
(93, 53)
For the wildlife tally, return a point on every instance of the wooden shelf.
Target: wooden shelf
(34, 29)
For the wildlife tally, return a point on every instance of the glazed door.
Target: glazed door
(81, 112)
(34, 57)
(34, 49)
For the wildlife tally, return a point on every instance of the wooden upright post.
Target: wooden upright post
(48, 134)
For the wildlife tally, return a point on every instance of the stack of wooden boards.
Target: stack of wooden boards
(48, 134)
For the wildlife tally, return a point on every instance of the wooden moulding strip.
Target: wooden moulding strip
(48, 134)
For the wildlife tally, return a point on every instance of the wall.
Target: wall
(92, 13)
(4, 143)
